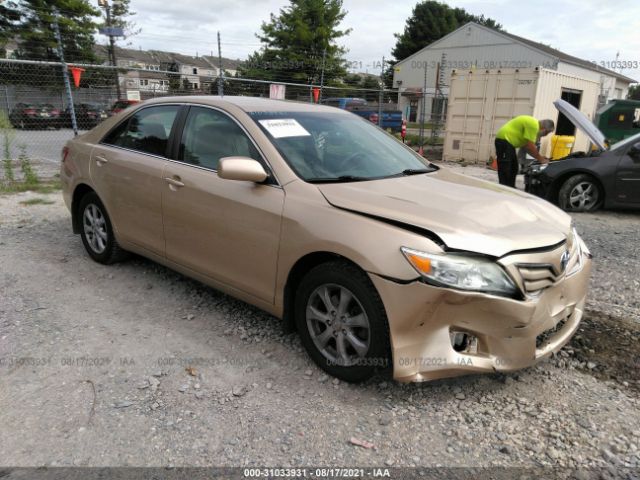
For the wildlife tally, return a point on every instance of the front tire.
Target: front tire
(342, 321)
(97, 231)
(580, 193)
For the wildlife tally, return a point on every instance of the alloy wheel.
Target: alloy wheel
(584, 196)
(95, 228)
(338, 325)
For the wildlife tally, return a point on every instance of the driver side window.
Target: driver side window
(210, 135)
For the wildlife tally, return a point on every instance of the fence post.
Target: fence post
(381, 94)
(65, 73)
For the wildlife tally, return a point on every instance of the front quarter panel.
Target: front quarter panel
(310, 225)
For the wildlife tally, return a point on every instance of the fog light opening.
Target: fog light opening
(463, 342)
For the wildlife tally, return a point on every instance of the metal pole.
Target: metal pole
(112, 49)
(65, 73)
(324, 56)
(423, 108)
(381, 94)
(220, 71)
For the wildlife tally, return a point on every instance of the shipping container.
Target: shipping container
(480, 102)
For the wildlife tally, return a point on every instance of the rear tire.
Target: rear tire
(580, 193)
(97, 231)
(342, 321)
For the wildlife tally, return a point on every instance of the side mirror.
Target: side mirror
(241, 168)
(634, 151)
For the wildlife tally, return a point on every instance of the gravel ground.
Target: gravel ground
(136, 365)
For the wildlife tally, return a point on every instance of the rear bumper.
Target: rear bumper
(509, 334)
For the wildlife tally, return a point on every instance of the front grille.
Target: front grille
(537, 277)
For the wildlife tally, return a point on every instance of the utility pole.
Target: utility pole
(112, 45)
(220, 71)
(422, 109)
(65, 73)
(381, 94)
(324, 56)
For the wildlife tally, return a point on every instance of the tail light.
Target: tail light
(65, 153)
(373, 117)
(30, 111)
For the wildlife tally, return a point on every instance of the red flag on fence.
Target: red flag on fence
(76, 72)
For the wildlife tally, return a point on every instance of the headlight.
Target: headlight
(580, 252)
(462, 272)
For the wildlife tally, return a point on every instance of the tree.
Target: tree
(634, 92)
(77, 25)
(299, 43)
(9, 17)
(430, 21)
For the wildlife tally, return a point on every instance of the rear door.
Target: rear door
(227, 230)
(126, 169)
(628, 178)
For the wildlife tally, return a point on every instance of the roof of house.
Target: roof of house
(159, 57)
(540, 47)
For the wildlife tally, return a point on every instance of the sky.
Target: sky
(589, 29)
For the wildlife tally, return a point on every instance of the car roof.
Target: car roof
(248, 104)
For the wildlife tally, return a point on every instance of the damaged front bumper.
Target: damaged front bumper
(439, 332)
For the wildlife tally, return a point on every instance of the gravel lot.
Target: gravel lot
(136, 365)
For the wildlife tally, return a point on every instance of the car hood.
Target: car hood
(579, 119)
(466, 213)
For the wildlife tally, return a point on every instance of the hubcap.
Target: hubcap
(95, 228)
(583, 196)
(338, 324)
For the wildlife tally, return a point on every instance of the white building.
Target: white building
(475, 47)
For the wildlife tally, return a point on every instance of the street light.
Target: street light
(111, 32)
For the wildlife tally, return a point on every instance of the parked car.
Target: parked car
(88, 115)
(121, 105)
(391, 119)
(377, 257)
(608, 176)
(26, 115)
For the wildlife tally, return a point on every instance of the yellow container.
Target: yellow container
(561, 146)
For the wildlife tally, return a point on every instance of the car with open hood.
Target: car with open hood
(378, 258)
(606, 176)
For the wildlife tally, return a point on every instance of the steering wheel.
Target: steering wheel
(352, 161)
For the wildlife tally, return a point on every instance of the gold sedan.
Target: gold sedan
(379, 259)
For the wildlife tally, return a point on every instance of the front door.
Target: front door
(628, 177)
(126, 169)
(227, 230)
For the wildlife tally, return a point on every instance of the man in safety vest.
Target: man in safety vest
(520, 131)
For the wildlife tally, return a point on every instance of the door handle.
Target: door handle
(174, 181)
(101, 160)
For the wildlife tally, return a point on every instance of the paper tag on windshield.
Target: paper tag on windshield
(284, 127)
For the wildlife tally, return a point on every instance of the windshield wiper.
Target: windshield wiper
(417, 171)
(340, 179)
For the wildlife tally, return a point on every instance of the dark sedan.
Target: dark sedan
(606, 177)
(25, 115)
(88, 115)
(585, 182)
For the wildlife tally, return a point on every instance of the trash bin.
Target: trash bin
(561, 146)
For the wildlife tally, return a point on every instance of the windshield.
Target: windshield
(322, 146)
(623, 142)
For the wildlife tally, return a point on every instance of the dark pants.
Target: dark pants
(507, 163)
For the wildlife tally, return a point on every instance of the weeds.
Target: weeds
(36, 201)
(30, 180)
(29, 176)
(7, 136)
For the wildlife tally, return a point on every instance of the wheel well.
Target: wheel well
(296, 274)
(557, 185)
(80, 191)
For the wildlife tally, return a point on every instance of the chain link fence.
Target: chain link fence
(36, 121)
